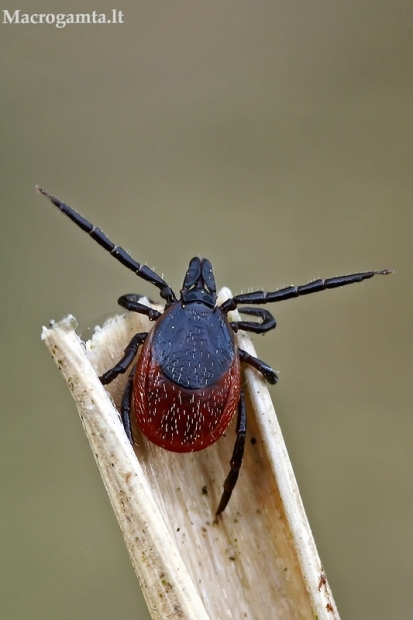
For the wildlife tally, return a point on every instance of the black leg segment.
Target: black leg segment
(267, 372)
(122, 366)
(126, 405)
(267, 321)
(119, 253)
(237, 455)
(131, 302)
(262, 297)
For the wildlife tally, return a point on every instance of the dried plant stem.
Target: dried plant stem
(259, 560)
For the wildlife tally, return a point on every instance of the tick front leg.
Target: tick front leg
(237, 455)
(126, 405)
(122, 366)
(131, 302)
(263, 297)
(267, 321)
(117, 252)
(263, 368)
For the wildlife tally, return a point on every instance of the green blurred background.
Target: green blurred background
(274, 138)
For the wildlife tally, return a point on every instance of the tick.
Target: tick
(186, 385)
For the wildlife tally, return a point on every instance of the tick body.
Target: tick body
(186, 387)
(187, 382)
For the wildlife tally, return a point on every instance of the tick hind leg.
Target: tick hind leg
(126, 405)
(237, 455)
(129, 355)
(259, 365)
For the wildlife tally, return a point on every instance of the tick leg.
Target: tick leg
(268, 321)
(119, 253)
(262, 297)
(126, 405)
(131, 302)
(122, 366)
(237, 455)
(263, 368)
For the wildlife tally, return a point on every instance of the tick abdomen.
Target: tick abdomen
(186, 386)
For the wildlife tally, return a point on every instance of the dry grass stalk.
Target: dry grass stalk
(259, 560)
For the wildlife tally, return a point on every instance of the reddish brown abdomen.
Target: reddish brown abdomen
(182, 419)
